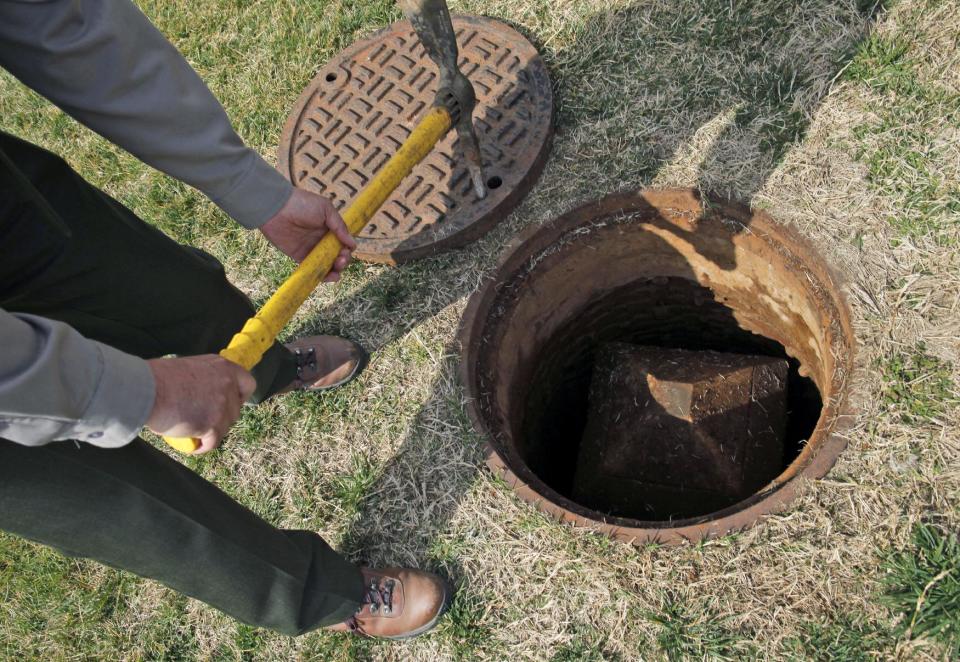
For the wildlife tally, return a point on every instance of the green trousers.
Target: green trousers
(70, 252)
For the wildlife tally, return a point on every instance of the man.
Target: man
(91, 298)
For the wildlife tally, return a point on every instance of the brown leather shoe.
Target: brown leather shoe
(398, 603)
(325, 362)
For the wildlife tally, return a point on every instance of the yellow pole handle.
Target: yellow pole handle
(258, 334)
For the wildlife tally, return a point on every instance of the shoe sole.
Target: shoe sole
(357, 369)
(444, 608)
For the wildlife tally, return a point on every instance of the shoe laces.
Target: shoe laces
(306, 359)
(378, 595)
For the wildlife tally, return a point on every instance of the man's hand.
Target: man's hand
(302, 222)
(198, 396)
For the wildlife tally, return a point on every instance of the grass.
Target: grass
(686, 634)
(587, 645)
(839, 117)
(466, 629)
(907, 148)
(57, 601)
(883, 63)
(847, 638)
(352, 487)
(922, 586)
(917, 385)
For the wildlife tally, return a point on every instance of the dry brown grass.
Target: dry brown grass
(648, 93)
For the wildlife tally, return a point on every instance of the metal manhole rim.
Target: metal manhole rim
(815, 461)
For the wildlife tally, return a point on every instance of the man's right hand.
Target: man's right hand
(198, 396)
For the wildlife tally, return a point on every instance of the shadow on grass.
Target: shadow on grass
(633, 90)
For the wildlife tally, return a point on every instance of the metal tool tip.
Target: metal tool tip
(478, 187)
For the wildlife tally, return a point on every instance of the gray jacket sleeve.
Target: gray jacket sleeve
(105, 64)
(56, 384)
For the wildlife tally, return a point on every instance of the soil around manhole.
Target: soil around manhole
(365, 102)
(677, 272)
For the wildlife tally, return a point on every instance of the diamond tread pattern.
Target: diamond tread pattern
(362, 106)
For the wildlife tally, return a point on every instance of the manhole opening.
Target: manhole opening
(663, 312)
(655, 272)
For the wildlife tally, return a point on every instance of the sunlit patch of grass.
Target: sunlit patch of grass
(922, 586)
(351, 487)
(340, 647)
(464, 627)
(80, 607)
(847, 638)
(688, 634)
(249, 641)
(907, 150)
(883, 63)
(587, 645)
(917, 385)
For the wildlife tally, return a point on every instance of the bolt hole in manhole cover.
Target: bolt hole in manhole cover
(659, 368)
(364, 104)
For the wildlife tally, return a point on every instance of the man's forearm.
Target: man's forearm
(56, 384)
(106, 65)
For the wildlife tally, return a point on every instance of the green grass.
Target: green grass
(922, 586)
(337, 648)
(249, 642)
(906, 151)
(846, 638)
(883, 63)
(57, 603)
(587, 645)
(465, 627)
(906, 162)
(389, 467)
(692, 633)
(352, 487)
(918, 386)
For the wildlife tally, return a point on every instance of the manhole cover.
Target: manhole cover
(365, 102)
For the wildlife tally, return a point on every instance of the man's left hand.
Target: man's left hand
(302, 222)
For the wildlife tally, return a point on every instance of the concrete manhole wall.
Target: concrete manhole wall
(656, 268)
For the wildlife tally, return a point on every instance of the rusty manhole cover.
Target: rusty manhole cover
(365, 102)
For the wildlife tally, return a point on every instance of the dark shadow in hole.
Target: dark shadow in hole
(649, 454)
(673, 312)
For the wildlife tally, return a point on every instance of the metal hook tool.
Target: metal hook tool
(431, 20)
